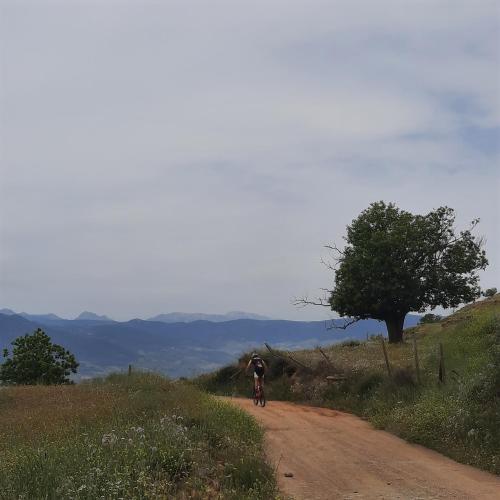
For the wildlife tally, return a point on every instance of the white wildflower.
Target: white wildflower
(109, 439)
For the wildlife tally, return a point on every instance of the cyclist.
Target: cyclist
(259, 369)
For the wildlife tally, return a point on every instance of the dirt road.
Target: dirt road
(334, 455)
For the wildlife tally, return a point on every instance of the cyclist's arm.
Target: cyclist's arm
(265, 366)
(248, 366)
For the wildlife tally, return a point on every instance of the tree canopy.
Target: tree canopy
(35, 360)
(395, 262)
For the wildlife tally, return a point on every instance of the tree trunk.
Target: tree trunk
(395, 328)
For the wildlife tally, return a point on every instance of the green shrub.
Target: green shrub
(366, 383)
(490, 292)
(350, 343)
(279, 367)
(430, 318)
(403, 377)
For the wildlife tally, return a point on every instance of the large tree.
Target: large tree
(395, 262)
(36, 360)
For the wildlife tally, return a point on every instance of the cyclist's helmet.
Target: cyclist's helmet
(255, 355)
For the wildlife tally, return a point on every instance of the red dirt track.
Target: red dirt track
(335, 455)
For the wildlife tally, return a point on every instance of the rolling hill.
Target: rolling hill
(176, 349)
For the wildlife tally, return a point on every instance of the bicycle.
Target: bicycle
(259, 398)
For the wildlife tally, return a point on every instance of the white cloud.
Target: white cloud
(161, 156)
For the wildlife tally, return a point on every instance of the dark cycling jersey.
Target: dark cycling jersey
(258, 366)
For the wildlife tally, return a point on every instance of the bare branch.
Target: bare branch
(347, 323)
(474, 223)
(481, 241)
(303, 302)
(328, 265)
(334, 248)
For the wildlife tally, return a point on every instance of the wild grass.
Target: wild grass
(460, 418)
(138, 436)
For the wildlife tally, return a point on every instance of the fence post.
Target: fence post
(288, 356)
(129, 370)
(415, 352)
(326, 357)
(442, 371)
(386, 357)
(271, 351)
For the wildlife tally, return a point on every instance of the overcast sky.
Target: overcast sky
(196, 156)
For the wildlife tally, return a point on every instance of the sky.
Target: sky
(163, 156)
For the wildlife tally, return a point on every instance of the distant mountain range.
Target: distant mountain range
(179, 317)
(176, 349)
(173, 317)
(85, 315)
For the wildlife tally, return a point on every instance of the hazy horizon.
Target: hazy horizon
(160, 157)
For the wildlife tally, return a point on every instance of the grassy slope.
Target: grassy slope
(460, 418)
(128, 437)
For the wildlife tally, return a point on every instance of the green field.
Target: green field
(460, 417)
(138, 436)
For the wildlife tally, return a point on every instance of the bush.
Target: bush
(430, 318)
(279, 367)
(225, 374)
(367, 383)
(490, 292)
(403, 377)
(350, 343)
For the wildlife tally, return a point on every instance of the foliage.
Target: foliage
(35, 360)
(395, 262)
(430, 318)
(138, 436)
(490, 292)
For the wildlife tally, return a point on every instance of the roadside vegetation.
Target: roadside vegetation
(138, 436)
(459, 416)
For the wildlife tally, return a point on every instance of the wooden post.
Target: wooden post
(442, 371)
(235, 373)
(326, 357)
(386, 357)
(283, 357)
(271, 351)
(298, 362)
(415, 352)
(129, 370)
